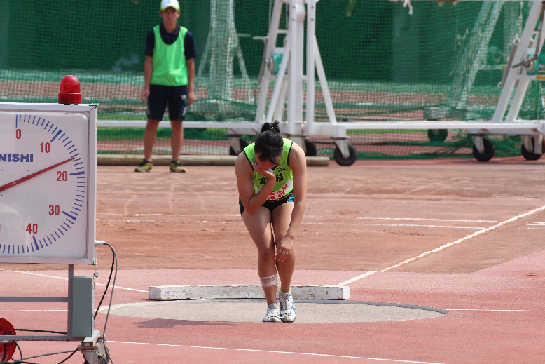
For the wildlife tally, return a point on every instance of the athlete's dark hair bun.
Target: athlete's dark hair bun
(269, 143)
(275, 126)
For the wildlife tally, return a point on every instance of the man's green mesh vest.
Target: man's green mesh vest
(169, 67)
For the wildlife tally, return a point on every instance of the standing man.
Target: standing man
(169, 75)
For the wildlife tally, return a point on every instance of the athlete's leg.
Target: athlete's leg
(155, 109)
(281, 218)
(259, 227)
(177, 139)
(177, 100)
(149, 138)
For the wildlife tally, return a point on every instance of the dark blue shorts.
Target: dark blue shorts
(271, 204)
(160, 96)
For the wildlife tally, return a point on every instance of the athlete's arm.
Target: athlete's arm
(190, 65)
(148, 70)
(244, 172)
(298, 164)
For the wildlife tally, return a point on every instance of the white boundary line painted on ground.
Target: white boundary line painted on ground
(346, 283)
(490, 310)
(277, 352)
(418, 219)
(442, 247)
(33, 310)
(429, 226)
(48, 276)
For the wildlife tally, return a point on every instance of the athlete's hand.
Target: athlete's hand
(190, 97)
(267, 173)
(144, 95)
(283, 248)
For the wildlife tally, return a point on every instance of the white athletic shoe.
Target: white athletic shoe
(273, 314)
(287, 309)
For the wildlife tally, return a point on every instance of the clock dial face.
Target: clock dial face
(44, 176)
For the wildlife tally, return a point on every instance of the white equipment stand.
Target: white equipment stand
(522, 68)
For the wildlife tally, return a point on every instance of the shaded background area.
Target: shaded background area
(382, 64)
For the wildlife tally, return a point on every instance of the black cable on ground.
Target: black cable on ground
(24, 360)
(114, 262)
(107, 284)
(51, 332)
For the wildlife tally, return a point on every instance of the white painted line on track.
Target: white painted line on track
(419, 219)
(489, 310)
(125, 288)
(346, 283)
(98, 284)
(278, 352)
(442, 247)
(34, 310)
(431, 226)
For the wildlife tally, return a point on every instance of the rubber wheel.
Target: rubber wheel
(341, 161)
(529, 156)
(437, 135)
(243, 144)
(310, 148)
(488, 152)
(7, 349)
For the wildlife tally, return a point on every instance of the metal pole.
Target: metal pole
(270, 44)
(311, 67)
(296, 44)
(279, 80)
(70, 299)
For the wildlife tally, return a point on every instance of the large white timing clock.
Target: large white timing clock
(47, 183)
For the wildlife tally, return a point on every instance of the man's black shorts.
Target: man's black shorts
(160, 96)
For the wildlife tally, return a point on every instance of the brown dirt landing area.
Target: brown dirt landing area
(453, 234)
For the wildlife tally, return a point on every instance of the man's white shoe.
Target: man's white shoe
(287, 309)
(273, 314)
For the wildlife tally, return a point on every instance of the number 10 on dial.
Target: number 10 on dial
(47, 186)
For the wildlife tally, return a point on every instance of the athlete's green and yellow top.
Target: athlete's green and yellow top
(169, 68)
(284, 174)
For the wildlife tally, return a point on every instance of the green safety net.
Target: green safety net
(442, 63)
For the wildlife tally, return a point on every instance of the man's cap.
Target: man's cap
(169, 3)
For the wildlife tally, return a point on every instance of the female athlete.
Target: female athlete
(272, 186)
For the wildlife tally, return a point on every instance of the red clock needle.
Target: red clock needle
(30, 176)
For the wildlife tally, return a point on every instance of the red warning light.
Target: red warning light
(70, 91)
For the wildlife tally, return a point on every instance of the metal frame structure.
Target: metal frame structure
(68, 299)
(91, 347)
(290, 87)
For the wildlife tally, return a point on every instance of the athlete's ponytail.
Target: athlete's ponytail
(269, 143)
(271, 126)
